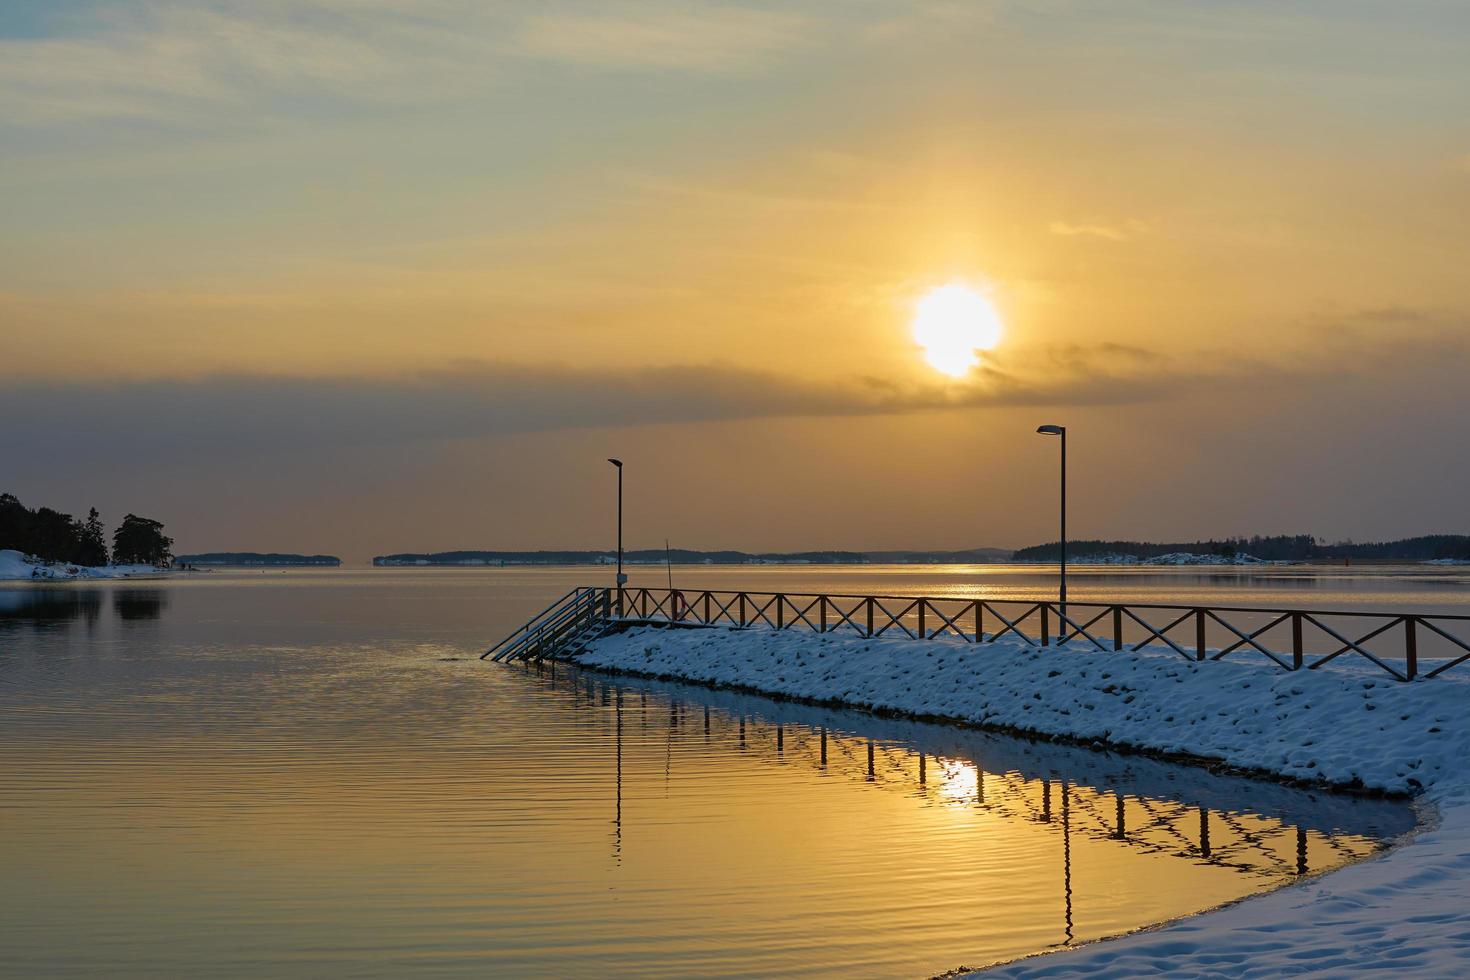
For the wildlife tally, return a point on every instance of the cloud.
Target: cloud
(231, 414)
(1113, 233)
(174, 62)
(260, 413)
(693, 37)
(182, 62)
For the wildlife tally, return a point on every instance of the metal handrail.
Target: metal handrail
(573, 612)
(551, 609)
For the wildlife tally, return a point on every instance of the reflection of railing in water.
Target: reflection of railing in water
(1290, 638)
(1249, 843)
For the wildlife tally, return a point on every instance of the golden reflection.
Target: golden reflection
(959, 781)
(502, 816)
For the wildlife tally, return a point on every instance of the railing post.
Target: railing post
(922, 634)
(643, 601)
(1117, 627)
(1411, 648)
(780, 610)
(1045, 623)
(706, 608)
(1199, 635)
(871, 600)
(1296, 641)
(742, 609)
(822, 606)
(979, 620)
(622, 601)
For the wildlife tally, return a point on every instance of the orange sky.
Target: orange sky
(330, 275)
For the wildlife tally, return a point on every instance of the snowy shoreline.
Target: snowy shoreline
(1340, 726)
(16, 567)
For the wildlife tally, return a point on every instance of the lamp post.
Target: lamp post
(621, 577)
(1061, 430)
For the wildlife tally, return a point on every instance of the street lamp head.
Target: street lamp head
(1052, 430)
(616, 462)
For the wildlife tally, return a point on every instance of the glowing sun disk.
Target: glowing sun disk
(952, 323)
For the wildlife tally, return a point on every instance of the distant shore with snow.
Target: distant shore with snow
(1176, 558)
(16, 567)
(1405, 912)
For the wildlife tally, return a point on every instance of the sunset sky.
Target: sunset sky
(362, 276)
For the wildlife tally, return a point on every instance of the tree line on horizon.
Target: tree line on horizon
(53, 536)
(688, 556)
(1282, 547)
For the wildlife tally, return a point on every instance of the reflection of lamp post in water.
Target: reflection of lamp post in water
(618, 812)
(1067, 859)
(1066, 850)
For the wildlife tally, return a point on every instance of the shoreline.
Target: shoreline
(1402, 910)
(17, 567)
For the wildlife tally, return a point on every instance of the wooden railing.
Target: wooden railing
(1403, 645)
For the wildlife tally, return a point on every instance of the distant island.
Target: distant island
(229, 559)
(1286, 547)
(685, 556)
(1430, 549)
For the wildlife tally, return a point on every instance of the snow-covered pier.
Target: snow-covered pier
(1402, 645)
(1325, 707)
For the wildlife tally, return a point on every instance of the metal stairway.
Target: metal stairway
(559, 629)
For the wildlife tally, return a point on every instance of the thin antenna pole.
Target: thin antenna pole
(669, 564)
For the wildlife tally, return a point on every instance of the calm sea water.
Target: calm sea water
(309, 773)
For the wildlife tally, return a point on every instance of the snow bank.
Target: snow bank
(1409, 911)
(1173, 558)
(1186, 558)
(14, 565)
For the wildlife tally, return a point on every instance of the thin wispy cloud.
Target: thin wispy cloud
(690, 37)
(168, 60)
(1124, 232)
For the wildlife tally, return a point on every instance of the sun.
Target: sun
(952, 323)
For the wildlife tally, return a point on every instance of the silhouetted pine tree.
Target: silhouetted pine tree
(92, 548)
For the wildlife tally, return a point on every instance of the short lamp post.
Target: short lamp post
(622, 579)
(1061, 430)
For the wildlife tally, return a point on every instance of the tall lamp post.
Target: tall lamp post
(621, 577)
(1061, 430)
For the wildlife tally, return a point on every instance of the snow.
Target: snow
(1407, 912)
(1173, 558)
(1186, 558)
(14, 565)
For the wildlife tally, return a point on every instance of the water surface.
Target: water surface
(309, 773)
